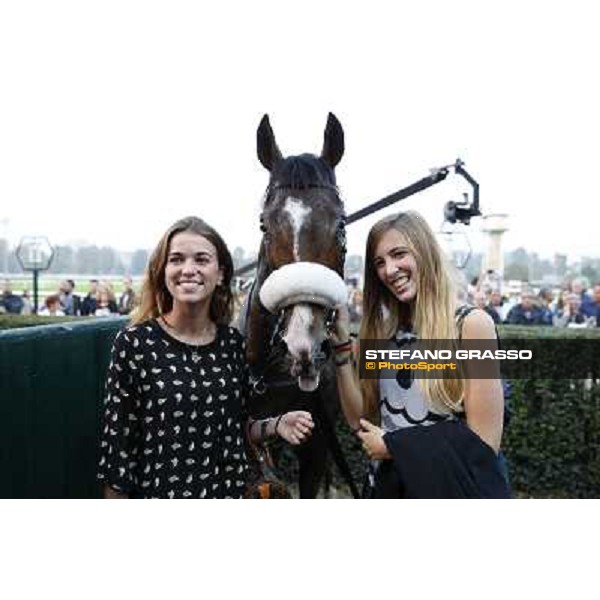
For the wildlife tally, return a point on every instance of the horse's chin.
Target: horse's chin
(308, 383)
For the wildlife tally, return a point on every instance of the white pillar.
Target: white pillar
(495, 225)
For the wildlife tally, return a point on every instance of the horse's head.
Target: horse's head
(303, 247)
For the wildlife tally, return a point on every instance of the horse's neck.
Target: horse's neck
(258, 327)
(244, 315)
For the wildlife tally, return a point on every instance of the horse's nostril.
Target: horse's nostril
(303, 365)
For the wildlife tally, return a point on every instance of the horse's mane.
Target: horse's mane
(302, 172)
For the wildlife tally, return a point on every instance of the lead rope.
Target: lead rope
(336, 450)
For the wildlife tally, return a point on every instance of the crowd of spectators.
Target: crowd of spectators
(355, 300)
(100, 300)
(570, 306)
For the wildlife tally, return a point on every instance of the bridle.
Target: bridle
(276, 340)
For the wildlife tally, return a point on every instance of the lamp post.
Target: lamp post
(35, 254)
(5, 221)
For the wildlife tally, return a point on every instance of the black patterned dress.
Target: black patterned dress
(174, 415)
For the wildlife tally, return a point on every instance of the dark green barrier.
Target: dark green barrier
(51, 385)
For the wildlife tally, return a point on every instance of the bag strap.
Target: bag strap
(460, 315)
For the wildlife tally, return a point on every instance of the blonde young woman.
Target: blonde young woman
(174, 415)
(425, 437)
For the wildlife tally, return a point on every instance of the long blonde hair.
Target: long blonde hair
(156, 298)
(431, 315)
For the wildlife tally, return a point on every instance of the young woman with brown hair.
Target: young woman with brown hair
(174, 420)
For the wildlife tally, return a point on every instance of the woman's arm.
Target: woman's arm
(121, 437)
(484, 399)
(294, 427)
(347, 381)
(350, 393)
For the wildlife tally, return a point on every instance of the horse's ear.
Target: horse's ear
(333, 144)
(266, 146)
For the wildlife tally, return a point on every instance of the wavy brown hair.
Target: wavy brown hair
(431, 315)
(156, 299)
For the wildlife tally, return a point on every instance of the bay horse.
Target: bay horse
(298, 281)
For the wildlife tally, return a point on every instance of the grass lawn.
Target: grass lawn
(48, 284)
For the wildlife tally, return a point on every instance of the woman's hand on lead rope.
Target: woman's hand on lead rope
(295, 426)
(340, 337)
(341, 328)
(371, 437)
(343, 351)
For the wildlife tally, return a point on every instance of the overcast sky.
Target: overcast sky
(117, 118)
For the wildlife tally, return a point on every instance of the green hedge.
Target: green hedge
(18, 321)
(552, 441)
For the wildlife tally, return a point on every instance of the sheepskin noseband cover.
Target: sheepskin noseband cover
(302, 282)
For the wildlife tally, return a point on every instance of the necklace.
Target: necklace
(195, 354)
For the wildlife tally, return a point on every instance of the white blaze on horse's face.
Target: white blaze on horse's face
(297, 336)
(303, 333)
(297, 212)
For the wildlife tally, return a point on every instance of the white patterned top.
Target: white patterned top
(402, 403)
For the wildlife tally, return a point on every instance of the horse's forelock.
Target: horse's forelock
(303, 172)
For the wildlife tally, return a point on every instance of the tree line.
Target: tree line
(86, 259)
(523, 265)
(93, 259)
(104, 260)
